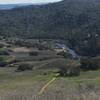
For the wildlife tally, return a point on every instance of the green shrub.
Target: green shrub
(75, 71)
(42, 47)
(6, 60)
(4, 51)
(3, 63)
(64, 54)
(70, 68)
(1, 45)
(23, 67)
(34, 53)
(66, 67)
(90, 63)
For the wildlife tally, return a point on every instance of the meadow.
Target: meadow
(27, 85)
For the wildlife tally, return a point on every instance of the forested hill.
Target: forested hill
(52, 20)
(73, 20)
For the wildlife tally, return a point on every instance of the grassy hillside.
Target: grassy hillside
(26, 71)
(34, 51)
(26, 85)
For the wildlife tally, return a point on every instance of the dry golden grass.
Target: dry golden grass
(80, 92)
(22, 49)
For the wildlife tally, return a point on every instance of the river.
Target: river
(70, 51)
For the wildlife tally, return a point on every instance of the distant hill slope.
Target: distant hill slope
(73, 20)
(6, 7)
(11, 6)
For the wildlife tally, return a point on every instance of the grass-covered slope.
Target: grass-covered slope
(27, 85)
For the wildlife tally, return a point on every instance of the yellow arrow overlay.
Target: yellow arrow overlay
(46, 85)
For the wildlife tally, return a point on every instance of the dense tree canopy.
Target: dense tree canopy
(72, 20)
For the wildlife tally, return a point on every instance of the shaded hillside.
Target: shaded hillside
(73, 20)
(11, 6)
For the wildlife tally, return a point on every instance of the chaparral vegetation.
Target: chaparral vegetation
(50, 51)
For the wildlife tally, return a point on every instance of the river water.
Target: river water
(70, 51)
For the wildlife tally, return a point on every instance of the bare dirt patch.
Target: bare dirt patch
(22, 49)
